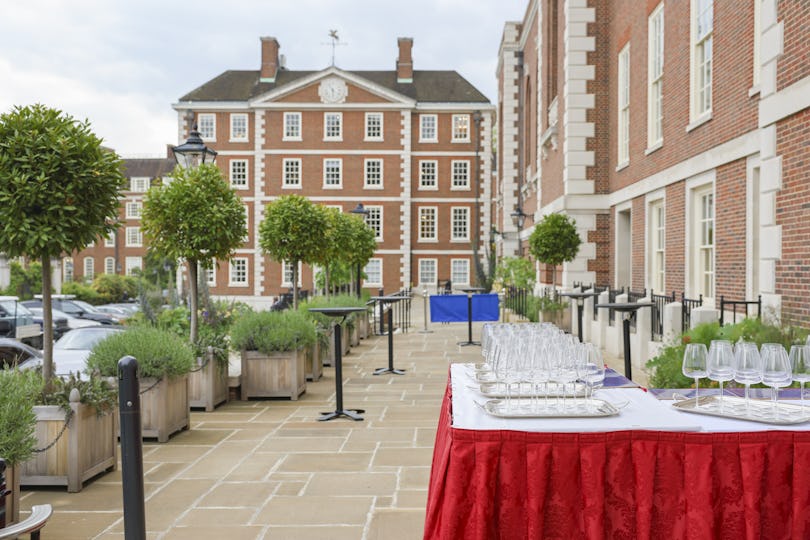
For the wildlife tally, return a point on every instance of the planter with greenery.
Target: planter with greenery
(208, 382)
(326, 324)
(272, 344)
(164, 361)
(77, 430)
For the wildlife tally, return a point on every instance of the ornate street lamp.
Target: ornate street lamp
(193, 152)
(518, 218)
(359, 210)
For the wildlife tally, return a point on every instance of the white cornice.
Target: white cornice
(211, 105)
(784, 103)
(452, 107)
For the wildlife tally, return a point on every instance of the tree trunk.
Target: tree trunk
(47, 323)
(295, 285)
(326, 279)
(192, 297)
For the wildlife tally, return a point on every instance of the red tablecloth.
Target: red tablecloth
(619, 485)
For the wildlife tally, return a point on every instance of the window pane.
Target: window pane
(373, 176)
(427, 271)
(427, 174)
(292, 172)
(461, 174)
(206, 126)
(373, 125)
(427, 124)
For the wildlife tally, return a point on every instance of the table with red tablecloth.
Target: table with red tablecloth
(633, 484)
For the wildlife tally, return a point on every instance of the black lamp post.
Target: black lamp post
(193, 152)
(518, 218)
(359, 210)
(477, 118)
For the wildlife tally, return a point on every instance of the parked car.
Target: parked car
(16, 354)
(59, 321)
(70, 321)
(70, 352)
(116, 312)
(71, 306)
(16, 321)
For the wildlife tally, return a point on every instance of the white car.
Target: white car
(70, 352)
(72, 322)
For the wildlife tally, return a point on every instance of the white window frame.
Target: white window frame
(655, 78)
(423, 271)
(89, 267)
(286, 274)
(211, 274)
(375, 220)
(67, 269)
(428, 133)
(236, 182)
(369, 126)
(623, 117)
(456, 213)
(425, 213)
(235, 118)
(109, 240)
(327, 117)
(246, 238)
(701, 64)
(287, 173)
(700, 256)
(134, 237)
(367, 164)
(292, 129)
(109, 265)
(238, 277)
(339, 162)
(139, 184)
(203, 120)
(459, 182)
(133, 211)
(131, 264)
(422, 177)
(656, 234)
(369, 281)
(461, 128)
(454, 276)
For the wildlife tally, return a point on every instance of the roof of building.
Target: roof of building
(148, 167)
(427, 86)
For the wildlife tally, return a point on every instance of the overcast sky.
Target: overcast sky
(121, 63)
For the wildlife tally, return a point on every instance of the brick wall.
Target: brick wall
(639, 238)
(675, 251)
(794, 65)
(601, 238)
(730, 231)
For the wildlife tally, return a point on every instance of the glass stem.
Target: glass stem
(697, 386)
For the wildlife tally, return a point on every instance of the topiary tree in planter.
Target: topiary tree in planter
(554, 241)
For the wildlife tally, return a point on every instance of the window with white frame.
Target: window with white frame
(292, 126)
(287, 274)
(459, 271)
(332, 126)
(427, 271)
(89, 268)
(109, 240)
(238, 174)
(292, 173)
(655, 77)
(133, 265)
(657, 246)
(427, 223)
(428, 128)
(374, 219)
(373, 272)
(109, 265)
(624, 106)
(207, 126)
(427, 174)
(332, 173)
(374, 126)
(67, 269)
(238, 275)
(134, 209)
(246, 238)
(373, 178)
(211, 274)
(139, 184)
(705, 244)
(461, 128)
(702, 26)
(239, 127)
(461, 174)
(459, 223)
(134, 237)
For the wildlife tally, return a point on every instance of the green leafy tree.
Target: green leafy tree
(196, 217)
(554, 241)
(515, 272)
(113, 288)
(293, 230)
(25, 281)
(337, 245)
(59, 192)
(362, 245)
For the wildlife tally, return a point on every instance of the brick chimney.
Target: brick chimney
(270, 60)
(404, 60)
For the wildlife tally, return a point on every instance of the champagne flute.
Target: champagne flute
(694, 365)
(747, 368)
(592, 370)
(720, 364)
(776, 371)
(800, 365)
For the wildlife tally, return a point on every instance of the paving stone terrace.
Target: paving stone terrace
(267, 469)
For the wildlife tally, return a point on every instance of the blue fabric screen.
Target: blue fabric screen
(453, 308)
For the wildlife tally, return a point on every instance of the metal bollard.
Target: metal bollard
(129, 408)
(3, 493)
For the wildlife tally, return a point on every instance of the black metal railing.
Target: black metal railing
(686, 311)
(516, 300)
(657, 315)
(734, 303)
(612, 294)
(598, 290)
(401, 311)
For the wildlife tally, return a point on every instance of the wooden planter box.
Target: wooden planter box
(344, 341)
(87, 447)
(164, 407)
(208, 387)
(355, 334)
(363, 324)
(280, 374)
(314, 362)
(13, 498)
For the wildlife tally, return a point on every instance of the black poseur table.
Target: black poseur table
(628, 311)
(389, 300)
(470, 291)
(580, 298)
(341, 312)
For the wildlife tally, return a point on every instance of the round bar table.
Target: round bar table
(341, 312)
(470, 291)
(580, 298)
(628, 311)
(389, 300)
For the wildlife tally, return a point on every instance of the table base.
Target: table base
(466, 343)
(354, 414)
(380, 371)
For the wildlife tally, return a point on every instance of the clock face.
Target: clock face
(333, 91)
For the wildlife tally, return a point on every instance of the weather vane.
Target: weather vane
(335, 41)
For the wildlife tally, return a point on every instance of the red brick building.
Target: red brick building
(675, 133)
(412, 146)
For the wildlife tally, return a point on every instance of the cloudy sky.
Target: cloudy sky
(121, 64)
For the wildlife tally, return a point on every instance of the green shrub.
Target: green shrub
(113, 288)
(158, 352)
(95, 392)
(18, 395)
(82, 292)
(271, 331)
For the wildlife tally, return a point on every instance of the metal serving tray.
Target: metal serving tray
(783, 414)
(527, 408)
(524, 389)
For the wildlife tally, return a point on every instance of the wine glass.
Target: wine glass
(592, 370)
(800, 364)
(720, 364)
(776, 371)
(694, 364)
(747, 367)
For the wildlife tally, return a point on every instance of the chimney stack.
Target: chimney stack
(405, 61)
(270, 59)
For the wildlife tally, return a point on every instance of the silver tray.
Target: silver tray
(572, 408)
(784, 414)
(498, 390)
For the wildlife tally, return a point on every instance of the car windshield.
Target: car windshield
(84, 338)
(87, 308)
(10, 307)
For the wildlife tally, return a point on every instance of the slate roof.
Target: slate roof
(148, 167)
(427, 86)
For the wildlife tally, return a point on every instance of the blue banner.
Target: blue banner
(453, 308)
